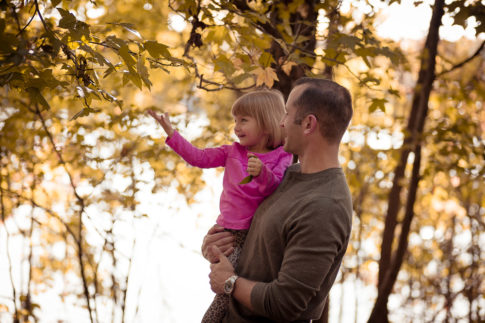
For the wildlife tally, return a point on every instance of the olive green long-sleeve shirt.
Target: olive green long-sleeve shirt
(294, 247)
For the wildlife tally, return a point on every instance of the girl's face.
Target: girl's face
(250, 134)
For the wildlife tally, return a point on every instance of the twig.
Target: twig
(456, 66)
(81, 211)
(9, 259)
(45, 209)
(28, 23)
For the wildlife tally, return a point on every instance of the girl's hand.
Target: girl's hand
(217, 237)
(254, 165)
(163, 120)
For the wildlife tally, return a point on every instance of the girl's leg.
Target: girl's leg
(216, 311)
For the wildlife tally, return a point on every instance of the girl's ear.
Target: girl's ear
(310, 123)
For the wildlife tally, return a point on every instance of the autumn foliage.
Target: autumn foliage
(76, 147)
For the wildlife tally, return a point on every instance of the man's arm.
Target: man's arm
(312, 255)
(216, 236)
(221, 271)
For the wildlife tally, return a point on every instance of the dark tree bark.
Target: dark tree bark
(389, 263)
(333, 22)
(304, 25)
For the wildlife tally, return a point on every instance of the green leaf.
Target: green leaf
(68, 20)
(143, 71)
(84, 112)
(217, 34)
(115, 41)
(54, 3)
(370, 79)
(109, 71)
(37, 97)
(129, 27)
(124, 52)
(348, 41)
(224, 65)
(256, 16)
(266, 59)
(156, 50)
(133, 77)
(246, 180)
(378, 104)
(394, 92)
(100, 59)
(240, 78)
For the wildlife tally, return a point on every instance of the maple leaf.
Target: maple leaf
(265, 76)
(287, 66)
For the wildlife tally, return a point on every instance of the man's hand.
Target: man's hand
(254, 165)
(163, 120)
(216, 236)
(220, 271)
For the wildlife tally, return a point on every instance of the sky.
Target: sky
(168, 267)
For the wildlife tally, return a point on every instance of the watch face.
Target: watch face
(228, 286)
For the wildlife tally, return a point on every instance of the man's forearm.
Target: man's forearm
(242, 292)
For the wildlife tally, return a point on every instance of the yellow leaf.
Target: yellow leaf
(287, 66)
(265, 76)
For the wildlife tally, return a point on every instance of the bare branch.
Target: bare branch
(456, 66)
(9, 259)
(79, 241)
(21, 30)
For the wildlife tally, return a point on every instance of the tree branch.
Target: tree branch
(81, 211)
(16, 317)
(456, 66)
(21, 30)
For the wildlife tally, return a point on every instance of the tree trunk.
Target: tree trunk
(333, 24)
(304, 25)
(389, 267)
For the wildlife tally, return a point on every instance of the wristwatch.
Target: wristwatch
(229, 284)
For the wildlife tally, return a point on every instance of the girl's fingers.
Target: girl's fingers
(228, 251)
(252, 156)
(215, 228)
(159, 117)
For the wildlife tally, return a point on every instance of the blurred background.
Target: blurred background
(102, 222)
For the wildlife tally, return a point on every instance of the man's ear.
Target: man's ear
(310, 123)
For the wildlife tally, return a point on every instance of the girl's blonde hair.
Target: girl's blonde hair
(268, 108)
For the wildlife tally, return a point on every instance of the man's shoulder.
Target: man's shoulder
(327, 200)
(294, 168)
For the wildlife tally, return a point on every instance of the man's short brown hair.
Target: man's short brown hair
(329, 102)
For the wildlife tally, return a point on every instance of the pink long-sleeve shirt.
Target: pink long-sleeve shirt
(238, 202)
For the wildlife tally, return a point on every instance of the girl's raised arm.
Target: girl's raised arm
(164, 120)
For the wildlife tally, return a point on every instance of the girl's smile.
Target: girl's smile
(250, 134)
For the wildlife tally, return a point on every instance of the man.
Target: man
(299, 234)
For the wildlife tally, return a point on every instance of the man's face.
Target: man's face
(293, 132)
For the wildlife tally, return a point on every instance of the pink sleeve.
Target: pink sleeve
(202, 158)
(269, 178)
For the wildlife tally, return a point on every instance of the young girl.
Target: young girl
(259, 154)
